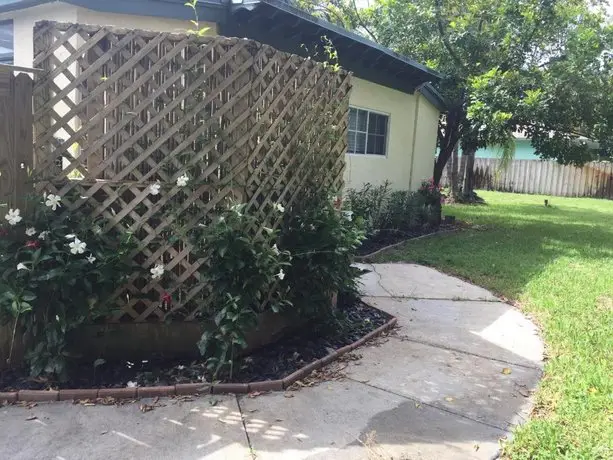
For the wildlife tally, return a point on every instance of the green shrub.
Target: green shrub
(322, 241)
(246, 272)
(384, 209)
(57, 272)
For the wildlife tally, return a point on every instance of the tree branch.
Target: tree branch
(361, 22)
(443, 36)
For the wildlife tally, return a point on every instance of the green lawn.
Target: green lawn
(557, 263)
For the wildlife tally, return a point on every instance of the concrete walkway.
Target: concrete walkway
(454, 378)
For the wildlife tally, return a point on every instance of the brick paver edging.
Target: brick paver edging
(190, 388)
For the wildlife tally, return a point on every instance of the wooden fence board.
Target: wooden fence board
(543, 177)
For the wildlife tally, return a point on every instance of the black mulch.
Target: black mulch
(385, 238)
(276, 361)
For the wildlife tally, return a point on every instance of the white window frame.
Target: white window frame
(387, 132)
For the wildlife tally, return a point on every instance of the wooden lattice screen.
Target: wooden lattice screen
(117, 110)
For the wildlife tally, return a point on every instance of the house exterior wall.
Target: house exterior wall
(424, 150)
(24, 20)
(23, 24)
(411, 138)
(131, 21)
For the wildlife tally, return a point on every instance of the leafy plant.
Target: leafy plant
(370, 203)
(57, 272)
(246, 272)
(322, 240)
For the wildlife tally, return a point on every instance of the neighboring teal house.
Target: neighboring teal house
(523, 151)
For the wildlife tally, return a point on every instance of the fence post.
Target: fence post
(16, 147)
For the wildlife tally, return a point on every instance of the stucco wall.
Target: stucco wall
(130, 21)
(424, 141)
(409, 156)
(23, 23)
(24, 20)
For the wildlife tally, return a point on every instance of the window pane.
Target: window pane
(351, 142)
(362, 119)
(6, 42)
(353, 115)
(360, 143)
(382, 125)
(379, 145)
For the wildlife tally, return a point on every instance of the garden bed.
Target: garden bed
(385, 238)
(276, 361)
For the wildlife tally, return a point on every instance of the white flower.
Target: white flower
(154, 189)
(348, 215)
(279, 207)
(77, 246)
(180, 367)
(91, 259)
(132, 384)
(70, 236)
(281, 274)
(21, 266)
(222, 218)
(182, 180)
(275, 249)
(53, 201)
(157, 271)
(43, 235)
(13, 216)
(30, 231)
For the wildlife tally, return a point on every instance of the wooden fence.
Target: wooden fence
(543, 177)
(15, 135)
(116, 111)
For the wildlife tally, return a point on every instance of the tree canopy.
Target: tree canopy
(542, 67)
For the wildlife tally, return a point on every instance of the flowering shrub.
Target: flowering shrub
(431, 192)
(246, 271)
(56, 273)
(322, 240)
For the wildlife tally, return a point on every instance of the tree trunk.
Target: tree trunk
(454, 174)
(469, 176)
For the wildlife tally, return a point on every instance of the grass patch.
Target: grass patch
(557, 262)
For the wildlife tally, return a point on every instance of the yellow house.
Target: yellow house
(394, 110)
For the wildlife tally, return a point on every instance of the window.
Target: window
(6, 42)
(367, 132)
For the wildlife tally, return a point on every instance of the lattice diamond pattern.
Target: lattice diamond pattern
(117, 110)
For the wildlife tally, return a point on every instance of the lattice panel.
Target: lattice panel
(118, 110)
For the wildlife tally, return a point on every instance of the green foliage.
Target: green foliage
(57, 272)
(370, 204)
(322, 241)
(380, 208)
(542, 67)
(245, 270)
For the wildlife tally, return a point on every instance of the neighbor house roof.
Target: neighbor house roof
(285, 27)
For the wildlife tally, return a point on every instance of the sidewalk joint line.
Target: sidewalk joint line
(433, 406)
(240, 411)
(443, 347)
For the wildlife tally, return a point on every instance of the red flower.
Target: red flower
(338, 203)
(33, 244)
(166, 299)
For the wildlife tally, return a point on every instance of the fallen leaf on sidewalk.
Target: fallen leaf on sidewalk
(506, 371)
(254, 394)
(31, 417)
(288, 395)
(146, 408)
(449, 399)
(104, 432)
(476, 446)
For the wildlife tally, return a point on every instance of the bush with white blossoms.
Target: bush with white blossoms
(246, 272)
(56, 274)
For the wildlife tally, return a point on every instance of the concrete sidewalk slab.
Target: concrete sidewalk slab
(491, 329)
(333, 421)
(461, 383)
(416, 281)
(178, 430)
